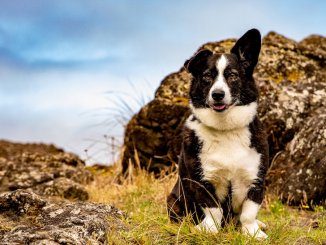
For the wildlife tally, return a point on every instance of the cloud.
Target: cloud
(73, 32)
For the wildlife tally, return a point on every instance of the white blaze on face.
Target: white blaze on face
(220, 82)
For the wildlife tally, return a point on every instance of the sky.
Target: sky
(73, 72)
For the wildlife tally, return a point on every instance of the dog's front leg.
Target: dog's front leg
(208, 201)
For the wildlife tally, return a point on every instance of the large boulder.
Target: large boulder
(291, 77)
(45, 169)
(27, 218)
(298, 173)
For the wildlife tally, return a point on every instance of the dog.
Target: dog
(224, 155)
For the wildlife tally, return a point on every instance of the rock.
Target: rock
(151, 131)
(62, 187)
(32, 176)
(298, 173)
(314, 46)
(291, 77)
(292, 87)
(20, 201)
(8, 149)
(44, 169)
(27, 218)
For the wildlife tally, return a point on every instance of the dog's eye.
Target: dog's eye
(233, 75)
(207, 76)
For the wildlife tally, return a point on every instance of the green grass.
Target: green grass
(142, 198)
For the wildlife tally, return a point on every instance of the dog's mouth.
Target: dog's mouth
(219, 107)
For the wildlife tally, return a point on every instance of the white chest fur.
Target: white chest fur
(226, 157)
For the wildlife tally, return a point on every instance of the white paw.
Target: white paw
(208, 224)
(253, 230)
(261, 224)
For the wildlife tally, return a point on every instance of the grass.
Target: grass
(142, 198)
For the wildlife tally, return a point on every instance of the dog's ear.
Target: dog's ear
(247, 50)
(197, 64)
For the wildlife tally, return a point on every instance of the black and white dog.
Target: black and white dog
(224, 156)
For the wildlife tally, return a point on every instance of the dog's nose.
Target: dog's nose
(218, 94)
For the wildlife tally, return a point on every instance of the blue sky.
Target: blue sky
(59, 58)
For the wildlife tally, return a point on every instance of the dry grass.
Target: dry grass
(142, 198)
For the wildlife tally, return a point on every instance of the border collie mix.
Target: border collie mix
(224, 156)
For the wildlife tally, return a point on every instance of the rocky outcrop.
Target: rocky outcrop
(27, 218)
(44, 169)
(291, 77)
(10, 149)
(298, 172)
(43, 198)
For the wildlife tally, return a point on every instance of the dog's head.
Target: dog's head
(224, 82)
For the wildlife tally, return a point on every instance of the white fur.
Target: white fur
(261, 224)
(233, 118)
(212, 221)
(248, 220)
(220, 83)
(226, 157)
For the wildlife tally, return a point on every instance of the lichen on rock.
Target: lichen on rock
(45, 169)
(34, 219)
(298, 172)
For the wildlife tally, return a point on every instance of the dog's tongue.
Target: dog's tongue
(219, 107)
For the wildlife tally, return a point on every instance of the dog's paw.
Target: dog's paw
(208, 224)
(261, 224)
(254, 230)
